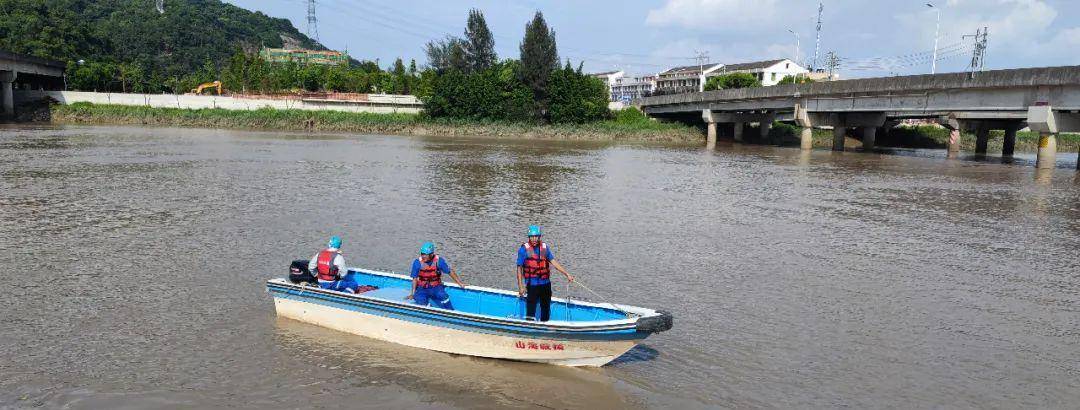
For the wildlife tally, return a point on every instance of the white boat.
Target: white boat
(486, 322)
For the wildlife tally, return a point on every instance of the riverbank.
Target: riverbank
(624, 127)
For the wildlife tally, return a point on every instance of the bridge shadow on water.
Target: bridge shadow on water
(1065, 160)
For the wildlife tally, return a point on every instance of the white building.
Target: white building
(626, 89)
(685, 79)
(692, 78)
(768, 72)
(608, 77)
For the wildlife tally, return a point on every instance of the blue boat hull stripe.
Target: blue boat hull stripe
(441, 319)
(628, 324)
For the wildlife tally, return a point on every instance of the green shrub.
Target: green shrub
(576, 97)
(802, 79)
(631, 115)
(733, 80)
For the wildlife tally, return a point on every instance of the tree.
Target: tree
(733, 80)
(148, 49)
(399, 67)
(539, 58)
(577, 97)
(447, 54)
(479, 44)
(400, 80)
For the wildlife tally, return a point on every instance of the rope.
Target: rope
(567, 301)
(602, 298)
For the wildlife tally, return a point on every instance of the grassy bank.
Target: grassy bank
(624, 127)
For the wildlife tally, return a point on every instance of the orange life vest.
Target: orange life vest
(429, 275)
(324, 266)
(536, 262)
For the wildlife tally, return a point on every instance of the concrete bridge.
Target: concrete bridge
(28, 72)
(1045, 100)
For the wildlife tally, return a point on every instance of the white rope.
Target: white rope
(602, 298)
(567, 301)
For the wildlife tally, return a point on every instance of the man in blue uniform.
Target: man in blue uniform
(534, 263)
(427, 284)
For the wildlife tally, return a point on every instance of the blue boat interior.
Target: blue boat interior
(477, 301)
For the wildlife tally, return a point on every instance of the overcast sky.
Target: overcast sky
(872, 37)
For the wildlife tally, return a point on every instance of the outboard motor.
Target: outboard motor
(299, 273)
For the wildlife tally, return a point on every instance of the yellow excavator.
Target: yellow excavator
(203, 86)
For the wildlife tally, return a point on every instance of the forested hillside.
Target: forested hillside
(131, 37)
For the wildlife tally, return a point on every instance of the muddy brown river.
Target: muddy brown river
(134, 266)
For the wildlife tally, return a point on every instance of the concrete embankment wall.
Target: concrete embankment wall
(377, 103)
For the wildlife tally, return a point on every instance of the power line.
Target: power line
(411, 19)
(885, 63)
(369, 19)
(942, 55)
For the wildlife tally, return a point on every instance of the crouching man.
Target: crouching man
(427, 286)
(329, 268)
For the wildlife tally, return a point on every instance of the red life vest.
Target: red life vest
(429, 275)
(536, 263)
(324, 266)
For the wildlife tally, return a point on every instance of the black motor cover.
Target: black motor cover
(299, 266)
(298, 272)
(656, 324)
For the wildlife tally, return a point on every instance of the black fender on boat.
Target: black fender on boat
(656, 324)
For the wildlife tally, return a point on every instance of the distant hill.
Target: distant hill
(174, 43)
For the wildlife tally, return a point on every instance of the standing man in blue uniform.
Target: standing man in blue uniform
(329, 268)
(427, 284)
(534, 263)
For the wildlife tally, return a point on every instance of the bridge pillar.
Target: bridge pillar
(982, 139)
(710, 139)
(869, 134)
(766, 126)
(838, 138)
(806, 133)
(954, 143)
(738, 130)
(1008, 146)
(6, 94)
(1047, 154)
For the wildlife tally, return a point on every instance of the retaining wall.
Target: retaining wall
(377, 103)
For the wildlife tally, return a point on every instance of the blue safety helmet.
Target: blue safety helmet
(427, 248)
(335, 242)
(534, 230)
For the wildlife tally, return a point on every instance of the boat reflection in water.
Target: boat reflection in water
(387, 375)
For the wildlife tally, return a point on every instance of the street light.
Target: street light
(937, 27)
(796, 45)
(796, 76)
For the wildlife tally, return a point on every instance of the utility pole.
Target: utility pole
(702, 57)
(832, 61)
(312, 22)
(978, 56)
(817, 41)
(937, 28)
